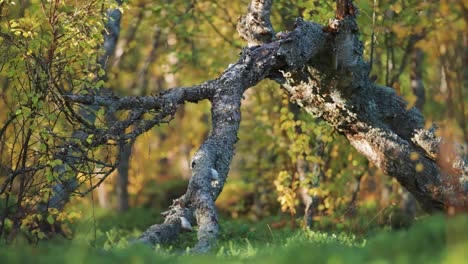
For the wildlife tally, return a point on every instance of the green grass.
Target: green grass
(435, 239)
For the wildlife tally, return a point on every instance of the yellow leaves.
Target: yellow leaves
(31, 223)
(419, 167)
(319, 192)
(73, 216)
(396, 7)
(326, 138)
(444, 7)
(423, 5)
(327, 202)
(287, 125)
(442, 48)
(334, 152)
(67, 217)
(411, 98)
(400, 30)
(286, 187)
(355, 163)
(22, 27)
(414, 156)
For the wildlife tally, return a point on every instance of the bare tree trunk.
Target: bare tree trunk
(122, 180)
(126, 147)
(103, 196)
(310, 202)
(23, 6)
(462, 90)
(354, 196)
(416, 77)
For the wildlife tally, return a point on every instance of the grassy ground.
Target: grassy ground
(430, 240)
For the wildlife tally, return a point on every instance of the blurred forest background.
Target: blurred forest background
(283, 158)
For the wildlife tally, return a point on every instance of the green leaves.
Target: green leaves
(89, 139)
(47, 50)
(50, 219)
(49, 175)
(55, 163)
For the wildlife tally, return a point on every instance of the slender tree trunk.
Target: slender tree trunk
(103, 196)
(462, 93)
(123, 169)
(309, 201)
(125, 152)
(417, 86)
(416, 78)
(122, 180)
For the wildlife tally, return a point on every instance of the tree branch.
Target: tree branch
(174, 97)
(255, 27)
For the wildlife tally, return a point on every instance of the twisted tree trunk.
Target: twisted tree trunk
(322, 69)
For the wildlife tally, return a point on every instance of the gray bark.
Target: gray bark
(122, 180)
(306, 198)
(323, 71)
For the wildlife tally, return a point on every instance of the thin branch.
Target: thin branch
(224, 37)
(174, 97)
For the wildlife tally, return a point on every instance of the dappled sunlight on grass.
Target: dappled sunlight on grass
(435, 239)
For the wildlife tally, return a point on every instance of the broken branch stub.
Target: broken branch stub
(345, 8)
(255, 27)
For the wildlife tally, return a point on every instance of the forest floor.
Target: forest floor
(105, 239)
